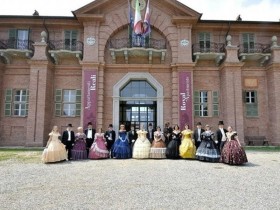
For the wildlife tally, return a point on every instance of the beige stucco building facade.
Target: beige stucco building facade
(86, 68)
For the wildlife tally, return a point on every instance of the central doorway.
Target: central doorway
(138, 113)
(138, 105)
(137, 99)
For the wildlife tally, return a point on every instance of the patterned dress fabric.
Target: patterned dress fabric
(121, 148)
(79, 150)
(207, 150)
(158, 148)
(187, 148)
(55, 151)
(142, 146)
(98, 149)
(233, 153)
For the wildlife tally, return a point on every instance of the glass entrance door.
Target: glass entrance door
(138, 113)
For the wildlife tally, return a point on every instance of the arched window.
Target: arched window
(138, 89)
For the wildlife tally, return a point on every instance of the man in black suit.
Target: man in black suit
(221, 136)
(197, 134)
(110, 136)
(132, 136)
(90, 133)
(150, 134)
(68, 139)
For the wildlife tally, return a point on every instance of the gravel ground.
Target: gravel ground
(142, 184)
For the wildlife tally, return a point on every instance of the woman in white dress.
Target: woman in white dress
(55, 151)
(142, 146)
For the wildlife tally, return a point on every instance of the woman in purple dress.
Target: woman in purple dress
(233, 153)
(98, 149)
(79, 150)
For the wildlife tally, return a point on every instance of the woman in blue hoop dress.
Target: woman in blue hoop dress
(121, 148)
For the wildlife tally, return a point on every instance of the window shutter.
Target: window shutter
(78, 96)
(256, 96)
(58, 102)
(196, 97)
(13, 34)
(244, 96)
(215, 99)
(27, 101)
(8, 102)
(215, 96)
(196, 110)
(78, 109)
(67, 38)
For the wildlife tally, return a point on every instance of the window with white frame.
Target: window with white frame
(206, 103)
(251, 103)
(70, 40)
(16, 102)
(248, 40)
(204, 41)
(67, 103)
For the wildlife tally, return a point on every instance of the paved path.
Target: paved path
(142, 184)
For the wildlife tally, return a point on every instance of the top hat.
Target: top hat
(221, 123)
(69, 125)
(199, 123)
(150, 124)
(110, 126)
(89, 123)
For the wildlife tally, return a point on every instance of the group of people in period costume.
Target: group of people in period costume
(201, 144)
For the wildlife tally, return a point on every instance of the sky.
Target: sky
(250, 10)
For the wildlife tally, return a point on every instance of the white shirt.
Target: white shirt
(224, 135)
(89, 134)
(199, 133)
(69, 135)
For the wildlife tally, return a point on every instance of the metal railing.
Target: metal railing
(254, 48)
(138, 41)
(66, 45)
(210, 47)
(17, 44)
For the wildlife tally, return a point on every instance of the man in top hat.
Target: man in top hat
(197, 134)
(68, 139)
(90, 133)
(132, 136)
(221, 136)
(110, 136)
(150, 134)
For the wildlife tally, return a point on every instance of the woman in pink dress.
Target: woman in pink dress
(98, 149)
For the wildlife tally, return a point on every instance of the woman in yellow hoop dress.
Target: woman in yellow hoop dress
(187, 148)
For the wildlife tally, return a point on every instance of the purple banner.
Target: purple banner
(90, 97)
(185, 99)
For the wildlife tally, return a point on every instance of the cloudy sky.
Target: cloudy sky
(259, 10)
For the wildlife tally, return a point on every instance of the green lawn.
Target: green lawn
(25, 155)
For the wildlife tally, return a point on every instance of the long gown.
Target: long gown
(121, 148)
(79, 150)
(172, 150)
(233, 153)
(187, 148)
(98, 149)
(55, 151)
(207, 150)
(142, 146)
(158, 148)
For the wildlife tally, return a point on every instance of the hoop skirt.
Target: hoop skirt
(158, 148)
(98, 149)
(172, 149)
(55, 151)
(121, 148)
(142, 146)
(233, 153)
(187, 148)
(79, 150)
(207, 150)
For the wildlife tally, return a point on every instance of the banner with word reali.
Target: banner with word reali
(90, 97)
(185, 99)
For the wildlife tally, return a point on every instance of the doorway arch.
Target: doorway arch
(123, 82)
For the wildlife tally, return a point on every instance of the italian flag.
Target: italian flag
(137, 19)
